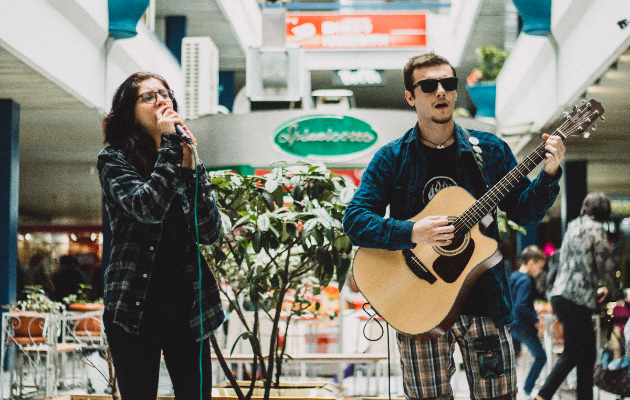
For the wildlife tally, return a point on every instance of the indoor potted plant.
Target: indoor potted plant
(282, 236)
(28, 322)
(78, 302)
(481, 83)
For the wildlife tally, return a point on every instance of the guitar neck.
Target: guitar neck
(491, 199)
(574, 124)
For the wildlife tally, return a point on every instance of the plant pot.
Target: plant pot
(94, 397)
(88, 326)
(484, 95)
(229, 394)
(275, 393)
(536, 16)
(124, 16)
(28, 329)
(286, 391)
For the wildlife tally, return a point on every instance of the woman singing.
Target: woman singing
(153, 283)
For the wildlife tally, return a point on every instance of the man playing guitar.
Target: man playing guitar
(404, 175)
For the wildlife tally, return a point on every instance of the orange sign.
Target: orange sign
(364, 31)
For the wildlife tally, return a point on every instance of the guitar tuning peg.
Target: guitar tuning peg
(583, 101)
(594, 126)
(602, 118)
(564, 114)
(575, 108)
(586, 135)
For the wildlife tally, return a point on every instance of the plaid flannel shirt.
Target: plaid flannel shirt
(136, 205)
(396, 177)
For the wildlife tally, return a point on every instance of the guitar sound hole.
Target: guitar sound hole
(455, 244)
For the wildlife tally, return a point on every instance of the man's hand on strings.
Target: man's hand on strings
(432, 231)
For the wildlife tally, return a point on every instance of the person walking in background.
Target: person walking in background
(524, 327)
(37, 275)
(585, 261)
(68, 278)
(153, 283)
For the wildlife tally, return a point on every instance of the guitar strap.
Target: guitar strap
(479, 162)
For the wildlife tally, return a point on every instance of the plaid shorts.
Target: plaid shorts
(487, 352)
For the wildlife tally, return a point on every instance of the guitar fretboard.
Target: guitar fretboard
(574, 124)
(491, 199)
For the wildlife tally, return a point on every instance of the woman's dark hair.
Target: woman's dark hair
(120, 127)
(421, 61)
(596, 205)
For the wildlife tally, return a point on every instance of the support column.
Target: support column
(575, 190)
(522, 241)
(176, 27)
(227, 90)
(9, 189)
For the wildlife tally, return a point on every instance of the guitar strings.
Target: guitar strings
(482, 207)
(488, 201)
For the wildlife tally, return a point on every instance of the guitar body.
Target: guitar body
(412, 304)
(421, 292)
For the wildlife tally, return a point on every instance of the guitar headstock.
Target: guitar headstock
(576, 123)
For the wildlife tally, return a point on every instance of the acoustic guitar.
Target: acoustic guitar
(420, 292)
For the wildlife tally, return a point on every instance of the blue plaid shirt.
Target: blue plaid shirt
(396, 177)
(137, 204)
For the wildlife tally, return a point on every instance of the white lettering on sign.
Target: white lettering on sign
(304, 31)
(360, 77)
(375, 40)
(347, 26)
(294, 135)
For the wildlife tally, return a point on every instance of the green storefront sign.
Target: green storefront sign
(325, 137)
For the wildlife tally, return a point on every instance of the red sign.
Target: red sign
(364, 31)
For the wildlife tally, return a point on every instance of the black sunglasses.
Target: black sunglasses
(431, 85)
(151, 97)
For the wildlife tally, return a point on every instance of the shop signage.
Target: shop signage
(325, 137)
(339, 31)
(358, 77)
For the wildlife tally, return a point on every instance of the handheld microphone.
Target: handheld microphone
(180, 130)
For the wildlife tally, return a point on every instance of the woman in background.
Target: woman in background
(585, 261)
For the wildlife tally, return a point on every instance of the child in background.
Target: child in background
(523, 328)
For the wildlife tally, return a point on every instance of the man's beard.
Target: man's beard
(442, 121)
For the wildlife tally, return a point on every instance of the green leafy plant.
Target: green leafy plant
(491, 60)
(81, 296)
(506, 225)
(282, 237)
(36, 300)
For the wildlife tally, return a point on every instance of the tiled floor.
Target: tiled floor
(357, 386)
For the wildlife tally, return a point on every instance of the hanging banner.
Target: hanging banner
(363, 31)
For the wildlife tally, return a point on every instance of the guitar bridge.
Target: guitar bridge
(416, 266)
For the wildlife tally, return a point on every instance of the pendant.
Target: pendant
(440, 146)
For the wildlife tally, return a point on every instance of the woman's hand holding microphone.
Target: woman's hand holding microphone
(167, 121)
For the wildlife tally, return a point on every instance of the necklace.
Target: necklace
(439, 146)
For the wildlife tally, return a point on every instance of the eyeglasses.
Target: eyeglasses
(431, 85)
(151, 97)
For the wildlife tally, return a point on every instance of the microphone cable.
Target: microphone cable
(180, 130)
(373, 317)
(199, 268)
